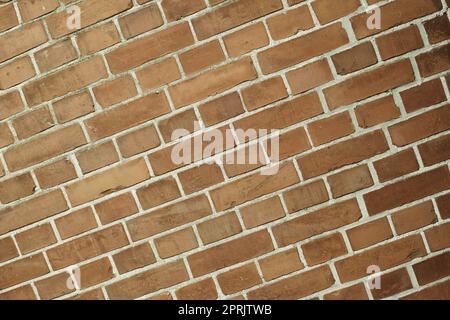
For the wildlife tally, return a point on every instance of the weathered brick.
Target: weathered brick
(310, 76)
(16, 72)
(324, 249)
(33, 122)
(76, 223)
(437, 237)
(176, 243)
(370, 233)
(115, 91)
(138, 141)
(262, 212)
(97, 157)
(376, 112)
(356, 58)
(116, 208)
(239, 279)
(16, 188)
(55, 55)
(55, 173)
(202, 57)
(72, 107)
(331, 128)
(280, 264)
(158, 74)
(140, 21)
(22, 270)
(35, 238)
(305, 196)
(247, 39)
(202, 290)
(219, 228)
(396, 165)
(290, 22)
(177, 9)
(435, 151)
(133, 258)
(7, 249)
(392, 283)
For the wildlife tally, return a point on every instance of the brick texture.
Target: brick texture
(89, 182)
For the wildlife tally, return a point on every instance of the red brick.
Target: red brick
(280, 264)
(310, 76)
(232, 15)
(342, 154)
(6, 136)
(212, 82)
(305, 196)
(421, 126)
(225, 254)
(169, 217)
(350, 181)
(54, 286)
(399, 42)
(437, 237)
(302, 48)
(219, 228)
(396, 165)
(393, 14)
(438, 29)
(359, 57)
(158, 74)
(443, 203)
(134, 258)
(31, 211)
(413, 218)
(331, 128)
(202, 290)
(263, 93)
(392, 283)
(76, 223)
(295, 287)
(290, 22)
(369, 84)
(140, 21)
(116, 208)
(93, 12)
(355, 292)
(317, 222)
(434, 61)
(177, 9)
(106, 182)
(148, 281)
(408, 190)
(221, 109)
(419, 97)
(7, 249)
(376, 112)
(330, 10)
(239, 279)
(432, 269)
(127, 116)
(22, 270)
(324, 249)
(185, 120)
(439, 291)
(370, 233)
(64, 81)
(247, 39)
(386, 256)
(435, 151)
(158, 44)
(87, 247)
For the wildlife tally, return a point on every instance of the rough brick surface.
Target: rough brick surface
(89, 185)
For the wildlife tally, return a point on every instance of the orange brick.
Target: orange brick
(201, 177)
(239, 191)
(263, 93)
(138, 141)
(290, 22)
(329, 10)
(95, 272)
(10, 104)
(22, 293)
(22, 270)
(6, 136)
(16, 72)
(177, 9)
(221, 109)
(54, 286)
(21, 40)
(376, 112)
(33, 122)
(8, 17)
(55, 55)
(184, 120)
(158, 44)
(30, 10)
(7, 249)
(305, 196)
(73, 107)
(158, 74)
(16, 188)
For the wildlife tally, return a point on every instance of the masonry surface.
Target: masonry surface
(89, 195)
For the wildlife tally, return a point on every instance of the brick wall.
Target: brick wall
(92, 207)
